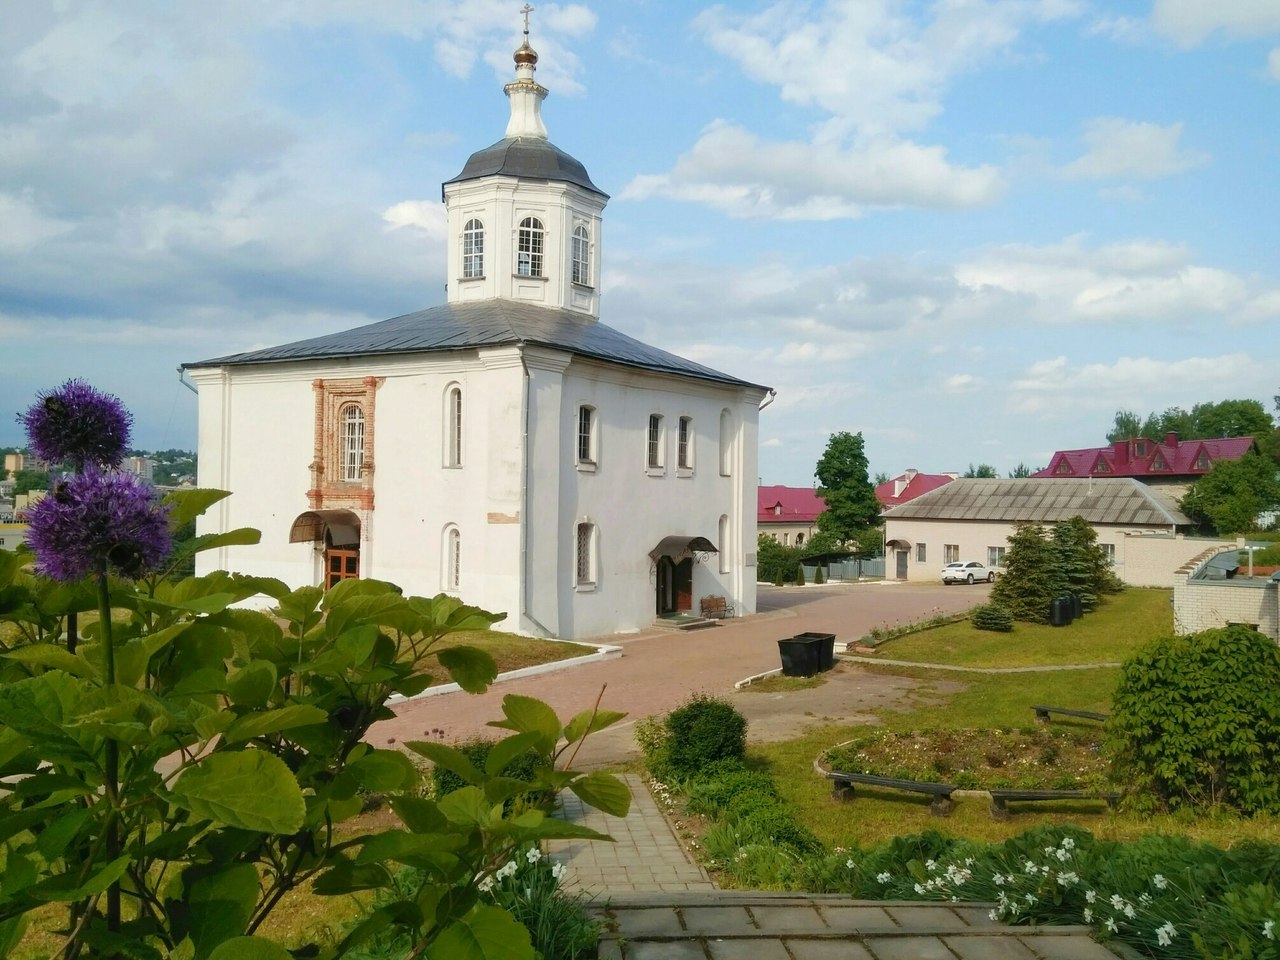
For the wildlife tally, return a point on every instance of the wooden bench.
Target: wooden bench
(716, 607)
(1000, 798)
(1042, 713)
(842, 788)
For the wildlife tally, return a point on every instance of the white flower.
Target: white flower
(1049, 851)
(1165, 934)
(1088, 915)
(1144, 898)
(998, 879)
(1068, 843)
(485, 884)
(1129, 911)
(558, 870)
(931, 865)
(968, 861)
(884, 877)
(1111, 925)
(1063, 855)
(508, 869)
(1269, 929)
(1090, 896)
(1117, 902)
(993, 915)
(533, 855)
(1159, 882)
(1068, 878)
(919, 888)
(1030, 898)
(849, 863)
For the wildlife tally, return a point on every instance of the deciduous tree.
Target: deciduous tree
(1228, 499)
(852, 507)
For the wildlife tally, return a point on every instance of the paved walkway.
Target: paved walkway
(660, 905)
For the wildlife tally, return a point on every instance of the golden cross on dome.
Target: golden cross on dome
(526, 10)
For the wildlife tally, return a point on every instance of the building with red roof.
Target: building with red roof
(1168, 461)
(788, 514)
(910, 485)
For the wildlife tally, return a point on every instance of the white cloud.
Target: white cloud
(733, 170)
(1188, 22)
(1128, 148)
(961, 382)
(1061, 387)
(429, 216)
(1120, 29)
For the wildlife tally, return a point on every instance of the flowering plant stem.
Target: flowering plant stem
(111, 772)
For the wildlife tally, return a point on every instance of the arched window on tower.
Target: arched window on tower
(581, 256)
(352, 420)
(529, 248)
(473, 250)
(453, 426)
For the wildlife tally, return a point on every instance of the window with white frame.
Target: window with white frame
(453, 426)
(726, 443)
(724, 543)
(920, 553)
(684, 444)
(584, 561)
(586, 434)
(529, 248)
(654, 444)
(473, 250)
(995, 556)
(452, 565)
(352, 419)
(1109, 551)
(581, 256)
(951, 553)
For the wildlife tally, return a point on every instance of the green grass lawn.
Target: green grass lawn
(988, 701)
(1111, 633)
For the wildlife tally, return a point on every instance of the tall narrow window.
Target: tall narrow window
(473, 250)
(726, 443)
(684, 444)
(352, 441)
(453, 427)
(654, 457)
(529, 248)
(581, 256)
(724, 543)
(586, 434)
(585, 560)
(453, 560)
(921, 553)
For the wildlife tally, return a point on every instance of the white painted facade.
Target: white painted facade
(498, 519)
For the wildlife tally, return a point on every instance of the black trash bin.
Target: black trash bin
(1077, 607)
(1060, 611)
(827, 646)
(801, 656)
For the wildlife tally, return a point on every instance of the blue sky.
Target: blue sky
(970, 229)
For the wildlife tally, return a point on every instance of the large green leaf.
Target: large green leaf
(469, 807)
(404, 847)
(525, 714)
(11, 932)
(419, 814)
(273, 721)
(57, 836)
(54, 656)
(451, 758)
(343, 876)
(250, 948)
(485, 933)
(507, 749)
(68, 886)
(187, 503)
(248, 789)
(603, 791)
(589, 722)
(221, 906)
(40, 707)
(384, 770)
(253, 684)
(470, 667)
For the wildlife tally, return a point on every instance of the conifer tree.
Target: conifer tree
(1033, 576)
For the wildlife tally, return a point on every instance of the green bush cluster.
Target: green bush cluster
(992, 616)
(1196, 721)
(1041, 565)
(524, 767)
(704, 731)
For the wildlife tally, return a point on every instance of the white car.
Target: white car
(967, 572)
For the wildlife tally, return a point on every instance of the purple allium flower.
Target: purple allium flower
(79, 425)
(94, 517)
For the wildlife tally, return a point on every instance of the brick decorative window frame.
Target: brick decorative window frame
(328, 489)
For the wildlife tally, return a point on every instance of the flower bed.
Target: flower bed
(976, 759)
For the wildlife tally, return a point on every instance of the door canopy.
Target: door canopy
(678, 548)
(343, 528)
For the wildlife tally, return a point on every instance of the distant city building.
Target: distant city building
(139, 467)
(788, 514)
(13, 462)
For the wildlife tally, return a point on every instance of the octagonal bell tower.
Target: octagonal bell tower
(524, 216)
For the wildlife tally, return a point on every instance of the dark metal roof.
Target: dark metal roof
(528, 158)
(1031, 500)
(486, 323)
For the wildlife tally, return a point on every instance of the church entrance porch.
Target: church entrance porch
(673, 560)
(336, 535)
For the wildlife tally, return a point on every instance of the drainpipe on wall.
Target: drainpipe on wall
(524, 503)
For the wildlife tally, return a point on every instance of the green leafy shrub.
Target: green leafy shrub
(523, 767)
(714, 792)
(818, 575)
(775, 825)
(1196, 721)
(992, 616)
(652, 737)
(703, 731)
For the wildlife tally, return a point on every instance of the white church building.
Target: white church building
(504, 446)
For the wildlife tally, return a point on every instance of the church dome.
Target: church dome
(528, 158)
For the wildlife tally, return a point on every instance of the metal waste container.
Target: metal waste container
(801, 656)
(1060, 611)
(826, 646)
